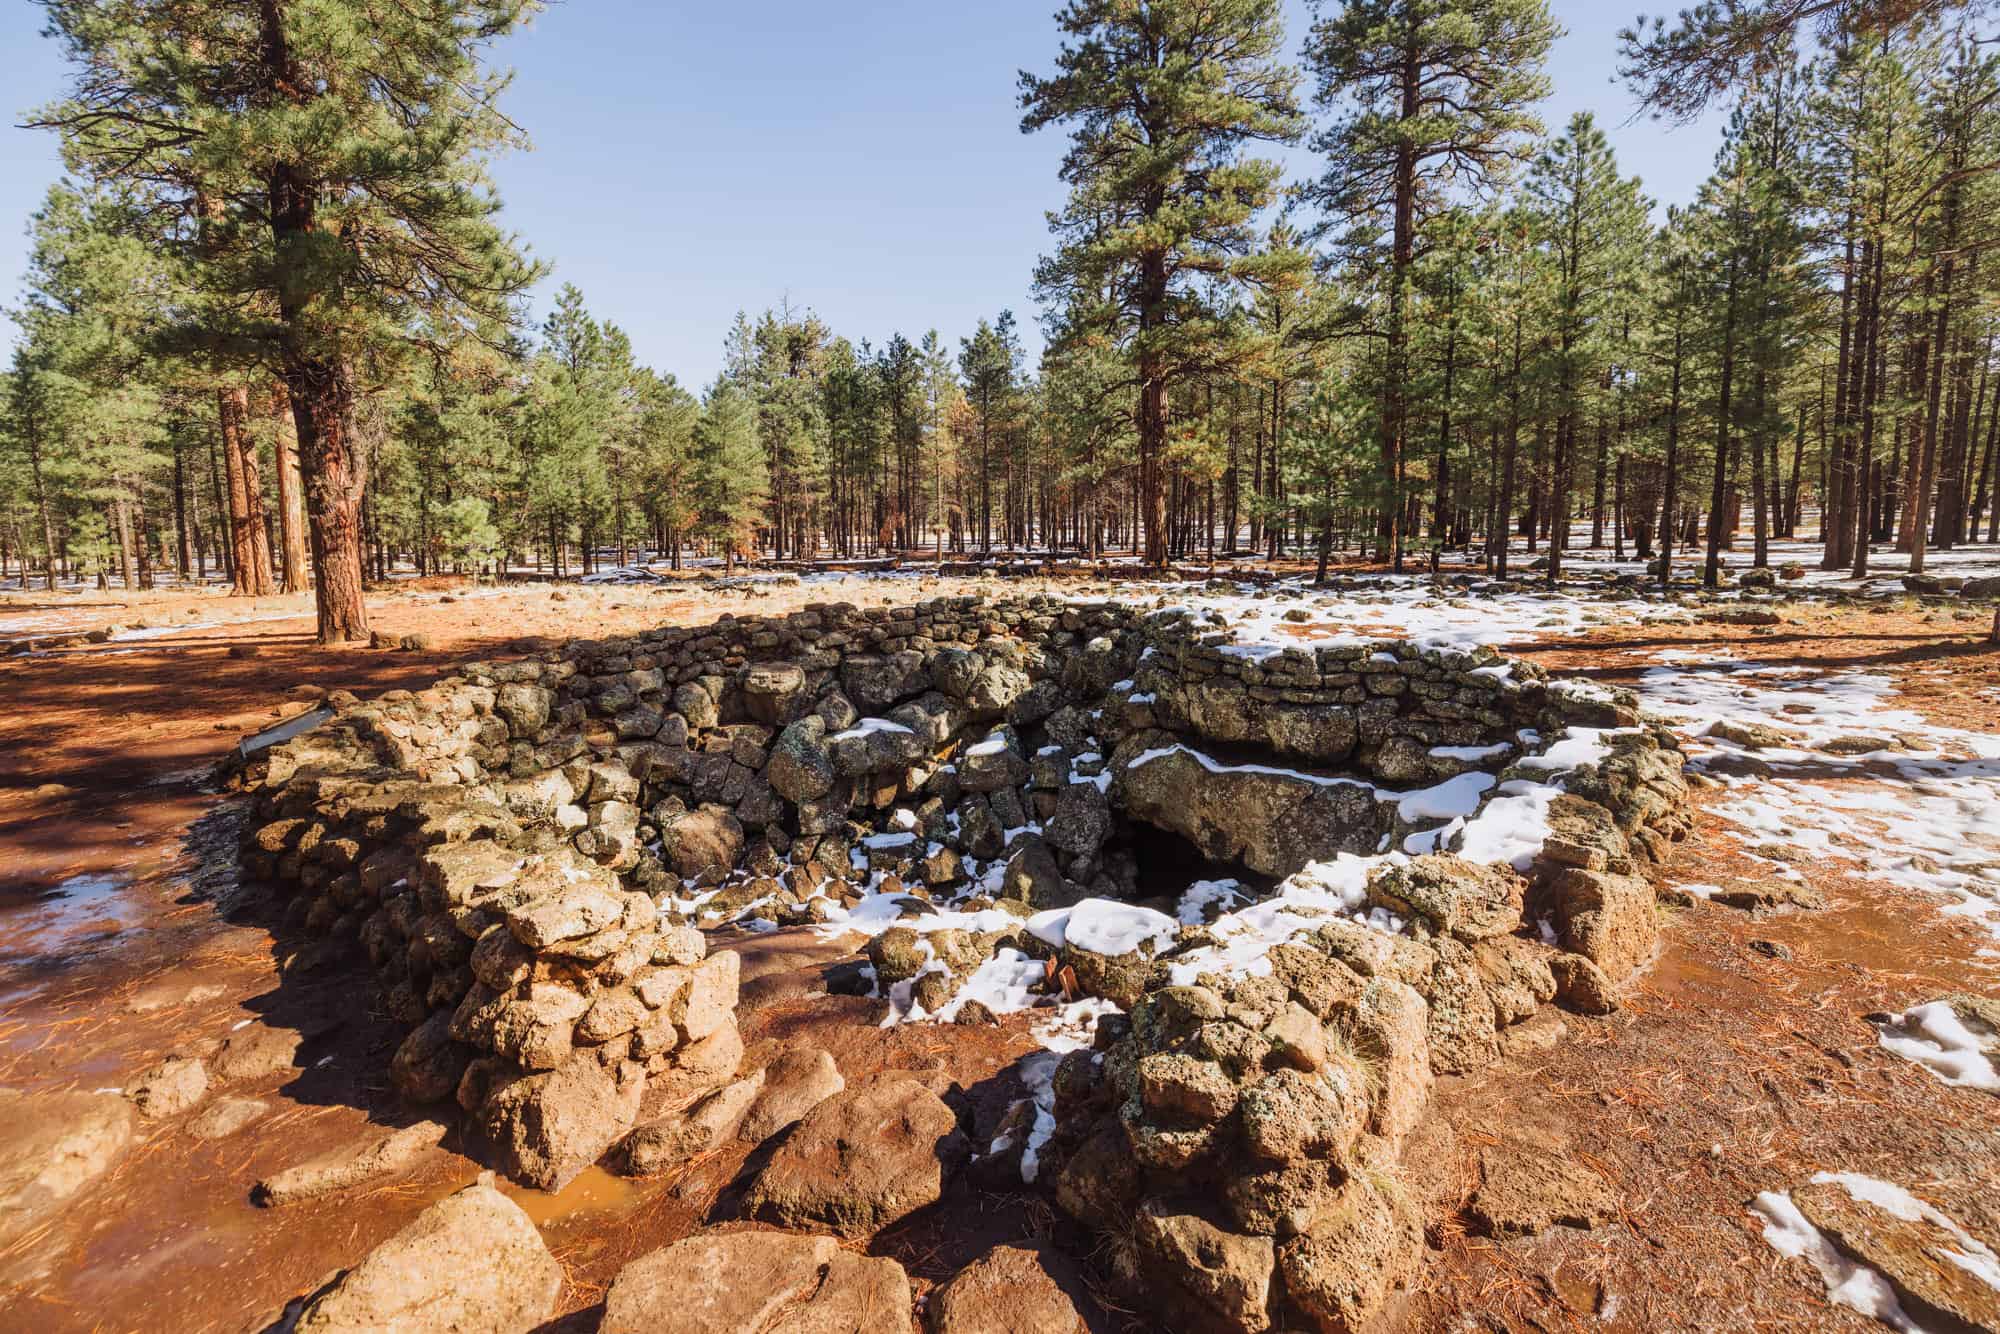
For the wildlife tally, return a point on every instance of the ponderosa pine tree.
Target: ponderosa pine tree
(1162, 99)
(1711, 47)
(95, 296)
(667, 418)
(1433, 95)
(734, 484)
(324, 161)
(1595, 226)
(990, 361)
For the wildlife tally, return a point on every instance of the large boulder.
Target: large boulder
(757, 1283)
(170, 1087)
(546, 1128)
(472, 1261)
(874, 745)
(862, 1159)
(428, 1064)
(669, 1141)
(257, 1052)
(1082, 823)
(524, 708)
(796, 1081)
(875, 683)
(1461, 1024)
(1273, 821)
(994, 690)
(1032, 876)
(1223, 1278)
(1450, 896)
(1612, 920)
(1009, 1290)
(706, 842)
(773, 693)
(954, 670)
(1222, 709)
(993, 762)
(372, 1158)
(1359, 1250)
(801, 767)
(1388, 1028)
(1640, 781)
(533, 1027)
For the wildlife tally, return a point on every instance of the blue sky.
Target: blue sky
(863, 160)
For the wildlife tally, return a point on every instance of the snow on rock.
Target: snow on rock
(1893, 1252)
(1215, 766)
(1848, 1283)
(1935, 1037)
(1203, 895)
(1103, 926)
(868, 727)
(1455, 798)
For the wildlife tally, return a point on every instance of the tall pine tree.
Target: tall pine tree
(1162, 99)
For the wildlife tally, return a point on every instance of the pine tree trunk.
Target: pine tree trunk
(333, 482)
(183, 546)
(1711, 574)
(248, 538)
(1670, 487)
(1982, 492)
(31, 424)
(1836, 518)
(1152, 406)
(142, 547)
(1863, 519)
(1760, 498)
(291, 502)
(225, 539)
(1952, 488)
(333, 472)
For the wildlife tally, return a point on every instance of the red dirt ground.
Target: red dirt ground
(1727, 1072)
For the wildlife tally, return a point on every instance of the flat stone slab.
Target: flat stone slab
(757, 1283)
(472, 1261)
(1529, 1188)
(350, 1166)
(1947, 1280)
(55, 1145)
(862, 1159)
(1009, 1290)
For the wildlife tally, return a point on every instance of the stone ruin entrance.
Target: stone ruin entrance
(1427, 846)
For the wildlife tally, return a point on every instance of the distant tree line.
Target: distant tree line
(272, 326)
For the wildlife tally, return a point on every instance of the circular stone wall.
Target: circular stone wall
(1433, 845)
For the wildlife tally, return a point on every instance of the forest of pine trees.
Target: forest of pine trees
(273, 329)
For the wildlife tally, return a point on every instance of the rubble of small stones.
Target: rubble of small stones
(525, 851)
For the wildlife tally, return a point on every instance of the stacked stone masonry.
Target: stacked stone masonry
(523, 852)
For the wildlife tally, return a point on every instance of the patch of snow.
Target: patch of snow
(1937, 1039)
(1103, 926)
(1453, 799)
(867, 727)
(1202, 895)
(1471, 754)
(1848, 1283)
(1972, 1255)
